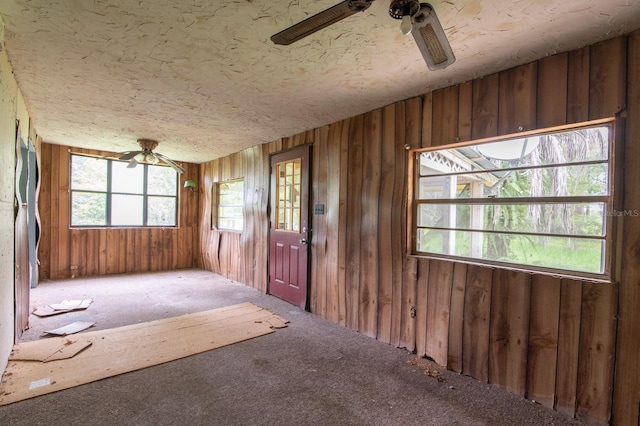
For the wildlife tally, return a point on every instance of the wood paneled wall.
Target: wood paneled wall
(549, 339)
(66, 253)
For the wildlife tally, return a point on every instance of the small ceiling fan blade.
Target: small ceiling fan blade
(431, 39)
(178, 168)
(128, 155)
(319, 21)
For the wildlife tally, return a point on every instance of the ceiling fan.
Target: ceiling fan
(419, 19)
(146, 155)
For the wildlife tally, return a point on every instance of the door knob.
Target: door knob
(303, 241)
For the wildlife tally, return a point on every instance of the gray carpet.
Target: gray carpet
(311, 373)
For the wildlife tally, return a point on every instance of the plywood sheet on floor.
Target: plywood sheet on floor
(124, 349)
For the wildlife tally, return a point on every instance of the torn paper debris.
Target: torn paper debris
(72, 305)
(72, 328)
(62, 307)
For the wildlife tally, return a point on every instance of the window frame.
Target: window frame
(109, 194)
(215, 205)
(612, 204)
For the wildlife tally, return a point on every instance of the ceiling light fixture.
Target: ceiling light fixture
(431, 39)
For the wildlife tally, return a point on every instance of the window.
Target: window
(288, 206)
(229, 205)
(106, 193)
(540, 202)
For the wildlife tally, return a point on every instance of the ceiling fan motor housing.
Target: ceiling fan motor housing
(401, 8)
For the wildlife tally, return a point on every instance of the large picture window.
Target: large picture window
(106, 193)
(539, 202)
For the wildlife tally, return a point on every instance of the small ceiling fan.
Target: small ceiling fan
(146, 155)
(419, 19)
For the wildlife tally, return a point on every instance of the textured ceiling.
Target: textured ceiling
(204, 78)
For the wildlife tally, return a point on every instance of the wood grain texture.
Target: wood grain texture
(456, 317)
(552, 91)
(438, 308)
(65, 252)
(517, 99)
(578, 85)
(397, 216)
(353, 224)
(626, 401)
(369, 253)
(385, 223)
(413, 140)
(422, 306)
(607, 78)
(595, 364)
(445, 116)
(509, 329)
(484, 119)
(568, 346)
(543, 339)
(476, 322)
(332, 221)
(501, 325)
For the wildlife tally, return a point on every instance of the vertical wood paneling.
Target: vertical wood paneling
(385, 223)
(517, 99)
(543, 339)
(508, 333)
(476, 324)
(607, 78)
(369, 255)
(354, 217)
(438, 306)
(64, 252)
(568, 346)
(552, 91)
(465, 111)
(397, 216)
(456, 317)
(627, 380)
(595, 365)
(64, 237)
(318, 297)
(342, 222)
(332, 220)
(484, 111)
(445, 116)
(534, 335)
(44, 211)
(578, 85)
(423, 264)
(422, 306)
(413, 140)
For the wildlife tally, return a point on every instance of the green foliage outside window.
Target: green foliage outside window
(106, 193)
(539, 200)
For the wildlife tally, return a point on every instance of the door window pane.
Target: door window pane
(288, 202)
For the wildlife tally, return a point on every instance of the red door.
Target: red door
(289, 232)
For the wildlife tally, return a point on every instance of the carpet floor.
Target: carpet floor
(313, 372)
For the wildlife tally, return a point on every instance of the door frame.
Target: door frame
(305, 150)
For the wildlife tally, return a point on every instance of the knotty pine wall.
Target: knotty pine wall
(567, 344)
(66, 253)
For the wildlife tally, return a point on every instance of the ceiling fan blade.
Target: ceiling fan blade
(321, 20)
(178, 168)
(128, 155)
(431, 39)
